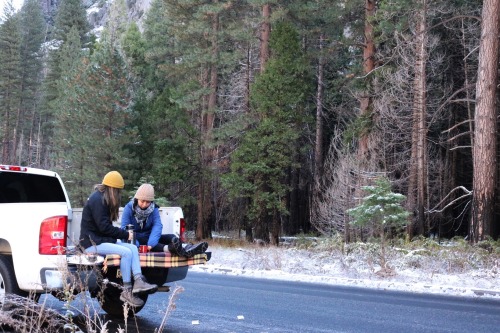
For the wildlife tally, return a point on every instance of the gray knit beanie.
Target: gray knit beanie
(145, 192)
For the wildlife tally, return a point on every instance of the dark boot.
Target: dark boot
(194, 249)
(141, 286)
(176, 247)
(127, 297)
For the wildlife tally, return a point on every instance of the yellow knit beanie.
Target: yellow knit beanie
(145, 192)
(113, 179)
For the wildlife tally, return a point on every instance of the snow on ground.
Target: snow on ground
(438, 273)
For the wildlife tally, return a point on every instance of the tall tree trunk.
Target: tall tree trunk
(368, 67)
(201, 195)
(274, 238)
(290, 224)
(417, 190)
(365, 101)
(264, 36)
(484, 157)
(6, 137)
(205, 206)
(16, 140)
(318, 146)
(248, 79)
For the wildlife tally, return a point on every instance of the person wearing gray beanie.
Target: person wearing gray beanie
(143, 213)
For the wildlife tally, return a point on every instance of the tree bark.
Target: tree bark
(368, 66)
(417, 191)
(318, 146)
(205, 206)
(485, 127)
(6, 137)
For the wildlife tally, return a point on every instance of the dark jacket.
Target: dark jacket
(96, 226)
(150, 232)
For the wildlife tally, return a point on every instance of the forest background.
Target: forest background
(264, 115)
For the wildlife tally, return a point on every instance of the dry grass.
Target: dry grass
(81, 314)
(229, 242)
(24, 315)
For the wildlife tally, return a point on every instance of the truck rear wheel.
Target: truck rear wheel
(113, 306)
(8, 281)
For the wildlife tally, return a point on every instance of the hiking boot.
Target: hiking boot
(194, 249)
(176, 247)
(141, 286)
(128, 297)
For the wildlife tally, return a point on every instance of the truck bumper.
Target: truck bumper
(176, 274)
(78, 279)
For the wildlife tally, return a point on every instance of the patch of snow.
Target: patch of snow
(409, 272)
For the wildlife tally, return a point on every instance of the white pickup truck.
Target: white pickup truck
(38, 235)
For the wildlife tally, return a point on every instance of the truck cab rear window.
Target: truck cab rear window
(18, 187)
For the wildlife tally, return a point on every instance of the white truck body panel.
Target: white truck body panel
(19, 234)
(23, 240)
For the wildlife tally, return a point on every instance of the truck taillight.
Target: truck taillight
(182, 235)
(53, 235)
(13, 168)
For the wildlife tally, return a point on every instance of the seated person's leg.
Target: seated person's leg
(160, 247)
(194, 249)
(124, 252)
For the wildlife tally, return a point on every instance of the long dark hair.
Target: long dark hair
(112, 198)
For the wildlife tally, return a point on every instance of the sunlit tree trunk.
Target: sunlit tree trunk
(368, 66)
(418, 175)
(485, 128)
(318, 146)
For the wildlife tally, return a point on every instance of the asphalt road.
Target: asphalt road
(218, 303)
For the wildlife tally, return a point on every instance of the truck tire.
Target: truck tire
(8, 281)
(113, 306)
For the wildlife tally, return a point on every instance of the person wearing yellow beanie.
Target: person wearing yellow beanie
(99, 235)
(143, 213)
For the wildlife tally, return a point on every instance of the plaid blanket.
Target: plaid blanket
(159, 259)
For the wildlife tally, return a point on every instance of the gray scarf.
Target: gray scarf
(141, 215)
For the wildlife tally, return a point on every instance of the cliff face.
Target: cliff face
(98, 11)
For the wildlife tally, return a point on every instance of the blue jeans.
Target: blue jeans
(129, 254)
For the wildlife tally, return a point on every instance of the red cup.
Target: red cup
(143, 248)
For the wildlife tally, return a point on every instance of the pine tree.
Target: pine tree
(70, 15)
(163, 149)
(199, 52)
(260, 164)
(29, 120)
(134, 47)
(380, 210)
(70, 117)
(92, 114)
(159, 45)
(104, 101)
(10, 81)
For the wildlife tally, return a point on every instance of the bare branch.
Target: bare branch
(456, 125)
(467, 194)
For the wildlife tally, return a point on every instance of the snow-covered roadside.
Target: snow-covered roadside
(326, 267)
